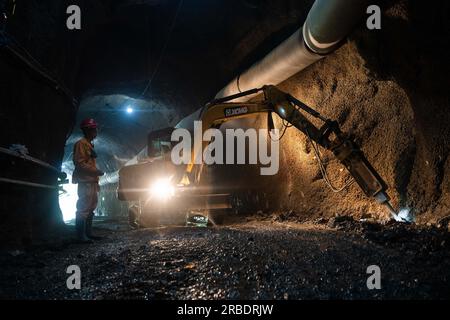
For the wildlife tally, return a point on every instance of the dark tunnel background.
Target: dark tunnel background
(134, 52)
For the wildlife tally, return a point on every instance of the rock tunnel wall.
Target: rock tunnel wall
(389, 89)
(41, 112)
(36, 113)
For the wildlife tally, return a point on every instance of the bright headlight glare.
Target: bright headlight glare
(162, 189)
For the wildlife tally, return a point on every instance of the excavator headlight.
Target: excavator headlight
(162, 189)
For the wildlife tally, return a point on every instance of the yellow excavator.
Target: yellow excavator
(157, 188)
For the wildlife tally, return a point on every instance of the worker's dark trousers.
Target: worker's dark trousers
(89, 225)
(86, 204)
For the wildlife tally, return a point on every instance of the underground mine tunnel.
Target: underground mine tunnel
(323, 149)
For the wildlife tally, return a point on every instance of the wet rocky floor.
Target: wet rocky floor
(256, 259)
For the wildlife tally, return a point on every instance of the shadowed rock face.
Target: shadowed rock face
(387, 87)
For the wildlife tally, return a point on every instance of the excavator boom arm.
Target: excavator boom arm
(328, 136)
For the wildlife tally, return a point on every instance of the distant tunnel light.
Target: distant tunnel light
(68, 201)
(129, 110)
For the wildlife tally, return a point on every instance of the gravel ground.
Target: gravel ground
(258, 259)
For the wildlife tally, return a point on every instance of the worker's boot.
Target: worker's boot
(80, 226)
(89, 228)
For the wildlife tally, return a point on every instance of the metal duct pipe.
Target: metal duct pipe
(108, 178)
(113, 177)
(327, 24)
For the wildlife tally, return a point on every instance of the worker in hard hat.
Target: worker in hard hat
(86, 175)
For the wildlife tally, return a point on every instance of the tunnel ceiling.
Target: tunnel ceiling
(172, 54)
(187, 49)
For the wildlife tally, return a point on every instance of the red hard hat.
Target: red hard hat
(88, 124)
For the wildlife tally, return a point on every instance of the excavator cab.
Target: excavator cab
(154, 193)
(159, 143)
(134, 178)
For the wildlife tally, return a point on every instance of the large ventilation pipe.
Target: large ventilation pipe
(327, 24)
(109, 178)
(113, 177)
